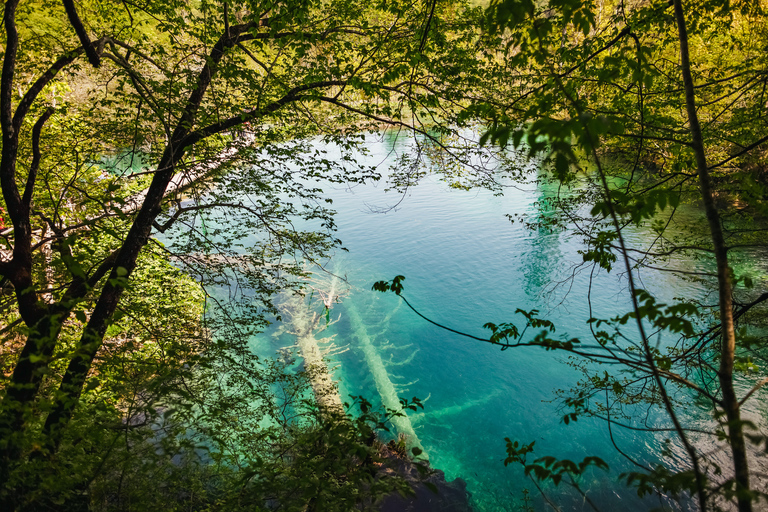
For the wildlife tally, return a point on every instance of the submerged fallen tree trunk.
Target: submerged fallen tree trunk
(383, 383)
(301, 321)
(325, 389)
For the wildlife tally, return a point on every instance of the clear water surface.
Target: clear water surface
(465, 265)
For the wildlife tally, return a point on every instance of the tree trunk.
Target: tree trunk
(724, 279)
(92, 338)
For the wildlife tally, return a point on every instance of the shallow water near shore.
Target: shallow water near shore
(466, 264)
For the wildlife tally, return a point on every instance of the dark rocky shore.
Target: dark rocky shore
(450, 497)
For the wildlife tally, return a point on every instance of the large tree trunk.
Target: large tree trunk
(724, 279)
(92, 338)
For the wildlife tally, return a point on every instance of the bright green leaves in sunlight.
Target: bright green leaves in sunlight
(520, 13)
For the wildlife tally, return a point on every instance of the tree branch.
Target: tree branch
(29, 188)
(9, 68)
(71, 385)
(29, 97)
(752, 391)
(74, 20)
(740, 153)
(141, 54)
(291, 96)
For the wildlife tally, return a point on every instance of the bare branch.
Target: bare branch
(753, 390)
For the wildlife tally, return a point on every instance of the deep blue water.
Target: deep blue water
(466, 264)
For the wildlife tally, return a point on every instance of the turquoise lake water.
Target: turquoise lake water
(465, 265)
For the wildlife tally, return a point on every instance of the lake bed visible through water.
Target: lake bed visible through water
(466, 264)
